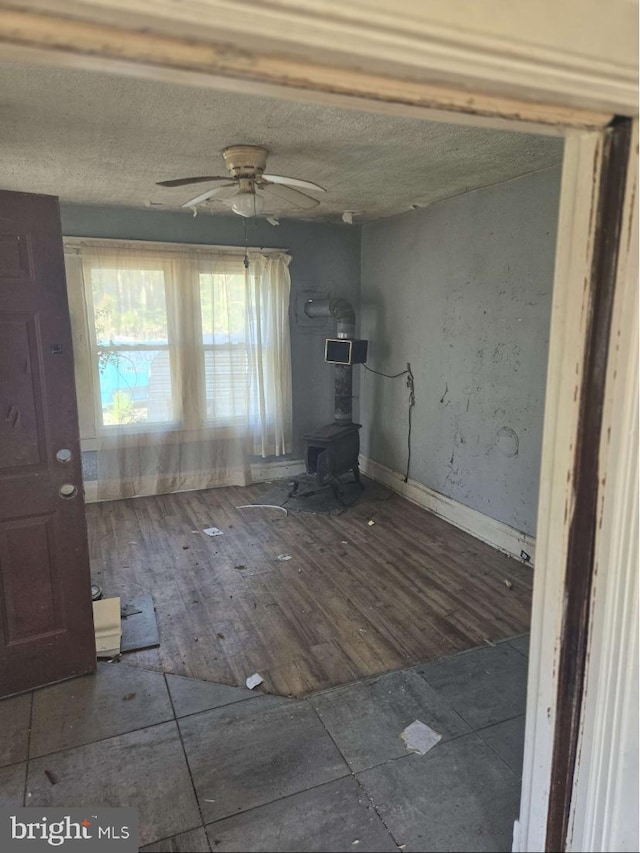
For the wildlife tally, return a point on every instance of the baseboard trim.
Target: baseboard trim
(259, 472)
(278, 470)
(495, 533)
(90, 491)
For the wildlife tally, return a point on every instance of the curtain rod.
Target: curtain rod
(80, 242)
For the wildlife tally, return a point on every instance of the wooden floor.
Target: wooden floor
(354, 600)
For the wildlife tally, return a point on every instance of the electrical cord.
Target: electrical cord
(412, 401)
(387, 375)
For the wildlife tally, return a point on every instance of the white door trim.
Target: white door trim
(605, 797)
(527, 51)
(228, 58)
(569, 323)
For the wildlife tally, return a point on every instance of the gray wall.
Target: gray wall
(325, 260)
(462, 290)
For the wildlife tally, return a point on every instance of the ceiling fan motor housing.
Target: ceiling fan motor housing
(245, 161)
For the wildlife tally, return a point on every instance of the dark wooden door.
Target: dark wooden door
(46, 620)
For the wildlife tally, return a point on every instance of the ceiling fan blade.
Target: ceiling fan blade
(293, 182)
(182, 182)
(224, 191)
(275, 194)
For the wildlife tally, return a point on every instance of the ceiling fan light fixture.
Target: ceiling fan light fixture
(246, 165)
(247, 204)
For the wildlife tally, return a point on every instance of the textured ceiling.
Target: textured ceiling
(96, 139)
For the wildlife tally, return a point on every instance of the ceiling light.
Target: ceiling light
(247, 204)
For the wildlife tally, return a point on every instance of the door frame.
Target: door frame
(440, 65)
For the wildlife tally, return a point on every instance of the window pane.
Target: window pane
(223, 308)
(135, 386)
(225, 372)
(129, 306)
(130, 309)
(223, 311)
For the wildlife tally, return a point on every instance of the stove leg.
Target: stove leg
(356, 475)
(335, 488)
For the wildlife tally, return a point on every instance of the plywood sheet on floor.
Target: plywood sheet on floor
(354, 600)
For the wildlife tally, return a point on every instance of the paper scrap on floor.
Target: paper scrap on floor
(420, 738)
(213, 531)
(254, 680)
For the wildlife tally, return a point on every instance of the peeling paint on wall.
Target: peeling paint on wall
(463, 291)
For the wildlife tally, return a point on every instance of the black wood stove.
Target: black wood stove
(333, 449)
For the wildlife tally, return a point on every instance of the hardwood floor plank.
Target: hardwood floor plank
(354, 600)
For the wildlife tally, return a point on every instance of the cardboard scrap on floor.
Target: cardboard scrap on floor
(420, 738)
(139, 625)
(107, 627)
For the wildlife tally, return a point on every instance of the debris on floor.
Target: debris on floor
(96, 592)
(140, 627)
(508, 584)
(212, 531)
(264, 506)
(420, 738)
(254, 680)
(107, 626)
(51, 776)
(371, 522)
(283, 557)
(240, 567)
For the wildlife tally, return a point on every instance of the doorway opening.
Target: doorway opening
(384, 585)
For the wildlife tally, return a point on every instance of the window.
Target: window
(181, 340)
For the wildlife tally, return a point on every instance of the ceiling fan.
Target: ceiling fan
(247, 190)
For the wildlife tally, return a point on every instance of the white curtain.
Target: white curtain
(183, 363)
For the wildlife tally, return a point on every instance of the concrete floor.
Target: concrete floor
(211, 767)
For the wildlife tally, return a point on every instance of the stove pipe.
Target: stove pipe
(345, 318)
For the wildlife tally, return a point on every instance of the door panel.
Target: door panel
(29, 580)
(22, 427)
(46, 624)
